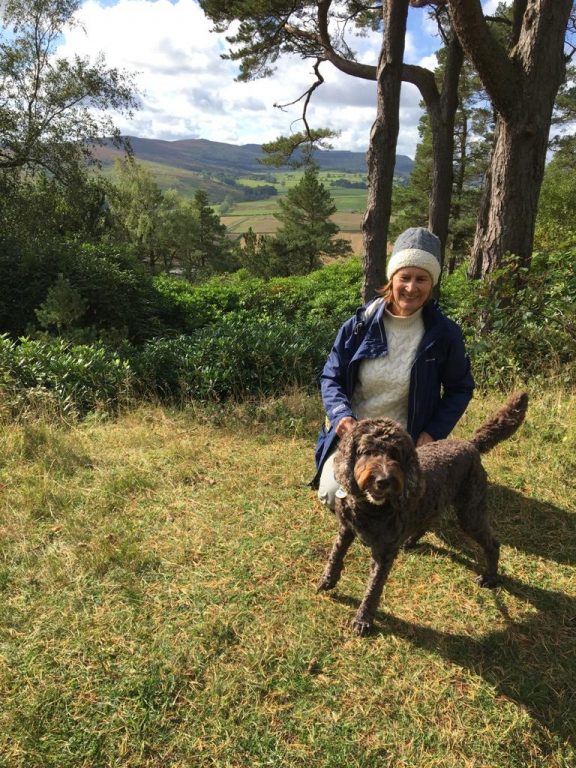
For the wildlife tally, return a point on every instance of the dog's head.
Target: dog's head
(377, 460)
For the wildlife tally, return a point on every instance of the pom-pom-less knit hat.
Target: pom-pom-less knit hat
(416, 247)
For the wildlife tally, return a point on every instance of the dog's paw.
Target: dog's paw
(361, 626)
(487, 581)
(325, 584)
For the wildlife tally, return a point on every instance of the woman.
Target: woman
(398, 357)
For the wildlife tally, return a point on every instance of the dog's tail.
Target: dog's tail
(502, 424)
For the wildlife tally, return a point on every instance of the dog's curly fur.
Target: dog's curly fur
(391, 493)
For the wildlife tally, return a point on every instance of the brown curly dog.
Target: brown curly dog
(391, 493)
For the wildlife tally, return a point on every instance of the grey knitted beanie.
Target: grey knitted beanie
(416, 247)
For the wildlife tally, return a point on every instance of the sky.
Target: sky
(187, 91)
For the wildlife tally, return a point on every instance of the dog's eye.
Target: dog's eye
(394, 454)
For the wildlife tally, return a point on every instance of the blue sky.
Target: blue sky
(188, 91)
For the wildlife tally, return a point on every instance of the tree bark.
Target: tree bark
(522, 84)
(441, 107)
(458, 189)
(443, 145)
(508, 208)
(381, 157)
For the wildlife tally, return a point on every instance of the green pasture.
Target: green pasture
(259, 214)
(186, 183)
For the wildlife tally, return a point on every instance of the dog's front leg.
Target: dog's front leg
(335, 562)
(381, 565)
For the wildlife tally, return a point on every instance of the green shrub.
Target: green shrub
(120, 299)
(250, 337)
(333, 291)
(247, 337)
(118, 290)
(518, 324)
(555, 226)
(243, 354)
(79, 378)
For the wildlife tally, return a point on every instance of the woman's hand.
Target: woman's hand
(345, 425)
(423, 439)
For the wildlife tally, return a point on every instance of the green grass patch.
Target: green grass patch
(349, 200)
(259, 214)
(158, 608)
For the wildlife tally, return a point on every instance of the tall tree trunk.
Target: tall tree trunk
(381, 156)
(441, 107)
(509, 204)
(458, 190)
(522, 84)
(443, 145)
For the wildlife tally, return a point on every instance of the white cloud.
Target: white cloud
(489, 6)
(189, 91)
(429, 62)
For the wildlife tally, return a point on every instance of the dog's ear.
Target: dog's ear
(413, 480)
(345, 461)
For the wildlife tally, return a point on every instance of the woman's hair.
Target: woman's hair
(386, 291)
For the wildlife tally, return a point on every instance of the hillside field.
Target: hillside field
(259, 214)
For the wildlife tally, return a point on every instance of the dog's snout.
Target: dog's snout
(378, 478)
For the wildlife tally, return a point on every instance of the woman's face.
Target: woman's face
(411, 289)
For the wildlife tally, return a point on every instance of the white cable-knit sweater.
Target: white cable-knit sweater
(384, 382)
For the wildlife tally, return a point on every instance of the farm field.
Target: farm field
(259, 214)
(265, 224)
(238, 217)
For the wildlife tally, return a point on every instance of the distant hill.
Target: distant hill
(189, 163)
(202, 155)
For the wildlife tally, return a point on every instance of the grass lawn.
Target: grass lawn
(158, 604)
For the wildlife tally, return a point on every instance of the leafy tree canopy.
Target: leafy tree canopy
(52, 110)
(270, 28)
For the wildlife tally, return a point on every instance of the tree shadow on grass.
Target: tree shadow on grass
(533, 526)
(528, 525)
(531, 662)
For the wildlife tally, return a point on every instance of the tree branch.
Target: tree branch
(499, 76)
(307, 95)
(354, 68)
(424, 80)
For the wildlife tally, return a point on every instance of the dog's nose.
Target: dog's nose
(382, 483)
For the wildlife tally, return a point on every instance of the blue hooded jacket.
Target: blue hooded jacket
(441, 384)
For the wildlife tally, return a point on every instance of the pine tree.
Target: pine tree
(308, 233)
(64, 305)
(212, 247)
